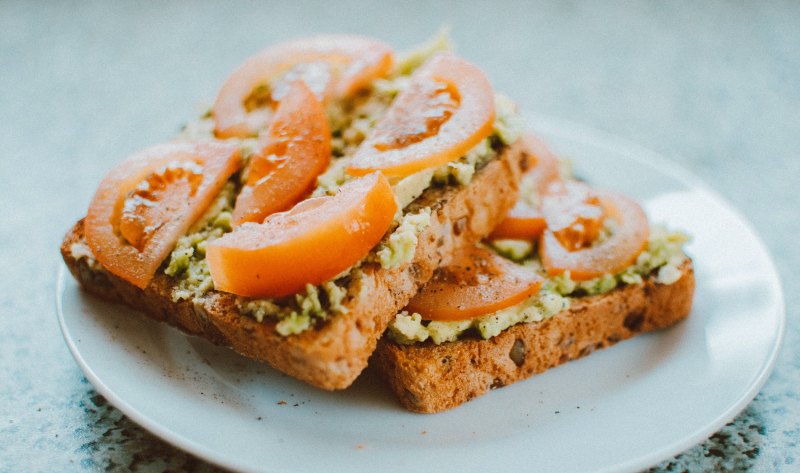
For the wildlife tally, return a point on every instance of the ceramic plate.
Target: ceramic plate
(621, 409)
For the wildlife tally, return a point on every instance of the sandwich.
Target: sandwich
(305, 209)
(570, 270)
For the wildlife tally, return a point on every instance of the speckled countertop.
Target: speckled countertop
(714, 86)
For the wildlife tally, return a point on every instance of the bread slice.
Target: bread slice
(432, 378)
(331, 355)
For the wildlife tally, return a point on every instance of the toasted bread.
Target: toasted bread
(432, 378)
(333, 353)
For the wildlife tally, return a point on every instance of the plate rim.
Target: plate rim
(645, 156)
(572, 131)
(159, 430)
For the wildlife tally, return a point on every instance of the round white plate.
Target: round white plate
(620, 409)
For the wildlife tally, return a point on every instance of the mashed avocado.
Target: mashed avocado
(508, 125)
(515, 250)
(407, 189)
(187, 262)
(300, 312)
(411, 60)
(402, 243)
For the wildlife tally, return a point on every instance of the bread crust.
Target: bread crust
(333, 354)
(432, 378)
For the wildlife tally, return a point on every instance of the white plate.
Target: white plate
(621, 409)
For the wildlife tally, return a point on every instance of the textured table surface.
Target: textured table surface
(713, 86)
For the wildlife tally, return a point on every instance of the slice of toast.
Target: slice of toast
(432, 378)
(331, 355)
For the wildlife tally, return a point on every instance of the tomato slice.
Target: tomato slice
(476, 283)
(574, 213)
(309, 244)
(295, 150)
(447, 109)
(150, 200)
(610, 256)
(331, 65)
(525, 221)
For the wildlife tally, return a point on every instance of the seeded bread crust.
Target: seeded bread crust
(432, 378)
(333, 354)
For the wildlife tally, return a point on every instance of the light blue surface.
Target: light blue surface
(713, 86)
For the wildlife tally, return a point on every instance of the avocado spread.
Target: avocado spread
(402, 242)
(187, 262)
(300, 312)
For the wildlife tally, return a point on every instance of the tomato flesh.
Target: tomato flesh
(609, 256)
(478, 282)
(440, 100)
(446, 110)
(574, 214)
(332, 66)
(309, 244)
(523, 222)
(294, 151)
(150, 200)
(148, 205)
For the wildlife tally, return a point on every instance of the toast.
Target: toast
(431, 378)
(571, 269)
(331, 354)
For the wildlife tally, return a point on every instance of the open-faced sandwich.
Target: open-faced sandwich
(296, 218)
(570, 270)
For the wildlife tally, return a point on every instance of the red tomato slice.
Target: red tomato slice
(525, 221)
(574, 213)
(478, 282)
(447, 109)
(611, 256)
(295, 150)
(316, 240)
(332, 66)
(150, 200)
